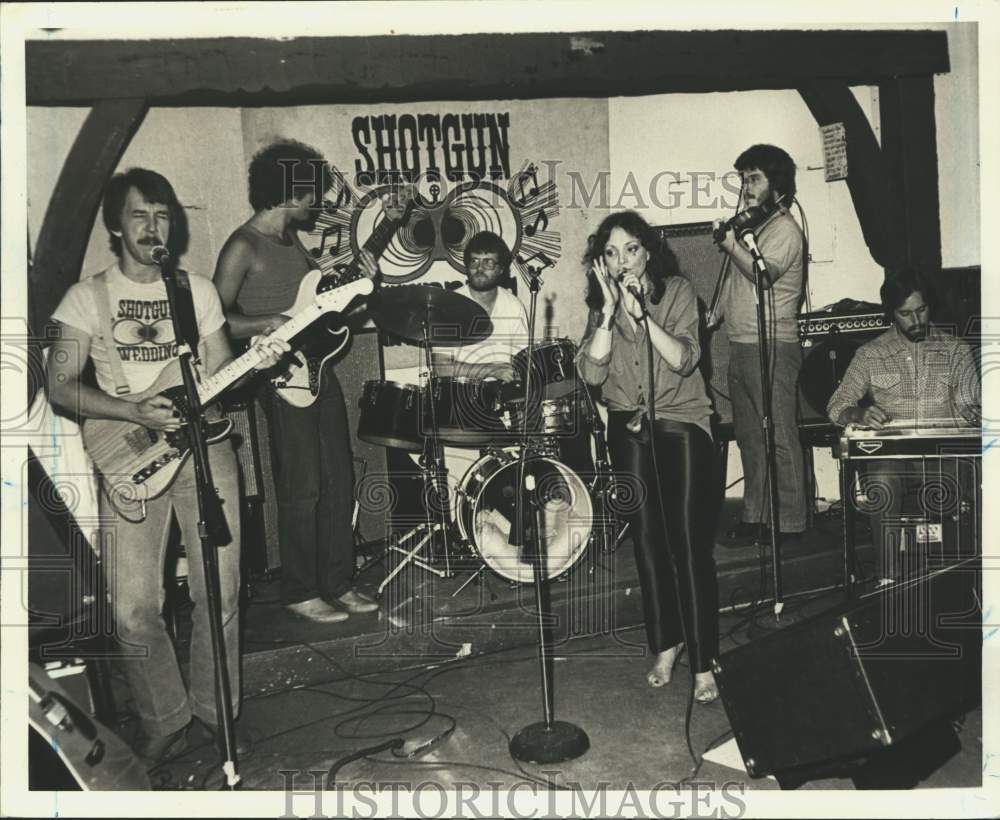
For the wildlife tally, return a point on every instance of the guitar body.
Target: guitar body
(138, 464)
(299, 381)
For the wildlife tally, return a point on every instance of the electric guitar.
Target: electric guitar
(299, 380)
(137, 463)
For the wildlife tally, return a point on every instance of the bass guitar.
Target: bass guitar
(298, 381)
(139, 464)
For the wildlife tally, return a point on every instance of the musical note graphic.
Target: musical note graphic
(531, 172)
(540, 255)
(333, 229)
(531, 230)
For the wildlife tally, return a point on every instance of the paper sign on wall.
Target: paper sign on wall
(834, 151)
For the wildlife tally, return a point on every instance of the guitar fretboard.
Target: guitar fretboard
(210, 388)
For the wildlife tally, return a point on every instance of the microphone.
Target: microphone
(631, 289)
(160, 254)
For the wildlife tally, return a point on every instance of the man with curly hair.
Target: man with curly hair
(258, 275)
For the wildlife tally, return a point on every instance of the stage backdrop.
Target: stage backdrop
(502, 166)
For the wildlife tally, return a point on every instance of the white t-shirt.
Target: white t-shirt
(140, 324)
(509, 336)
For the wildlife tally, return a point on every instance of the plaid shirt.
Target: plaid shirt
(934, 379)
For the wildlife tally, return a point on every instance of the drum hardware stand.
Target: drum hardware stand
(435, 477)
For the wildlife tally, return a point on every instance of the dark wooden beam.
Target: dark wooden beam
(909, 146)
(867, 177)
(250, 71)
(69, 218)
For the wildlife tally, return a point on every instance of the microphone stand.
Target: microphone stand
(548, 741)
(212, 527)
(749, 240)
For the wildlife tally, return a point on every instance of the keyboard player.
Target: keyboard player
(914, 373)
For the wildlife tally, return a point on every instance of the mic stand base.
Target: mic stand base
(549, 743)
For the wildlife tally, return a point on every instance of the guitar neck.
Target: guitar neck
(211, 388)
(381, 237)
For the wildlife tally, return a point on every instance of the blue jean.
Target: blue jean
(745, 393)
(134, 558)
(314, 484)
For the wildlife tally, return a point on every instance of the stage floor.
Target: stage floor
(314, 694)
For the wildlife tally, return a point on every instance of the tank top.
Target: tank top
(272, 282)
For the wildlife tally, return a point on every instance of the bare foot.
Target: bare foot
(705, 690)
(663, 669)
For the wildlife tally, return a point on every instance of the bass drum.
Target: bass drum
(485, 512)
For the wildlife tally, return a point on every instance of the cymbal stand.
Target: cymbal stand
(435, 490)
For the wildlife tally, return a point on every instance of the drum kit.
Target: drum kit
(492, 416)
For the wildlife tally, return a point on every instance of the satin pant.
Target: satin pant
(686, 457)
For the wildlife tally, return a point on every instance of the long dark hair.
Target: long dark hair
(661, 266)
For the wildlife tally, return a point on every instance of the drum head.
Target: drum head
(487, 510)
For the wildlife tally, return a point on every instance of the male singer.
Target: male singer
(120, 319)
(768, 175)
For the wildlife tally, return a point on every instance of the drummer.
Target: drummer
(487, 265)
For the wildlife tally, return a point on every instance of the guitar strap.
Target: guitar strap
(104, 331)
(308, 256)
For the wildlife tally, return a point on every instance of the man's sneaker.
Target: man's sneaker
(318, 611)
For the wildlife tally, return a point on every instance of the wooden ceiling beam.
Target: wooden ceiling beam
(329, 70)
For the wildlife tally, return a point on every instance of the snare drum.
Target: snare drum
(466, 411)
(551, 417)
(485, 513)
(553, 368)
(390, 415)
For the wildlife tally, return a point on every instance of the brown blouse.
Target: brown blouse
(624, 373)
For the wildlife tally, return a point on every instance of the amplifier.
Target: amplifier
(816, 325)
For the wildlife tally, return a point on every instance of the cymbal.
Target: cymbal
(452, 319)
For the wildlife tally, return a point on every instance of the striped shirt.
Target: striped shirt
(936, 379)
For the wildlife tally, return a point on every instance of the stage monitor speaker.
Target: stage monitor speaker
(853, 682)
(700, 262)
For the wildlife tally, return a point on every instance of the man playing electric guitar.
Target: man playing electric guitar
(121, 319)
(258, 275)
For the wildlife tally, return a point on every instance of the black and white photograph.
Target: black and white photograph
(498, 409)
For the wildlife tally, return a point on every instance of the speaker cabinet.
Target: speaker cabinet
(361, 363)
(700, 262)
(851, 683)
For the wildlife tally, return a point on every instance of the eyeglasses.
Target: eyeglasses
(487, 265)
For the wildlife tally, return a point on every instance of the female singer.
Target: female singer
(625, 259)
